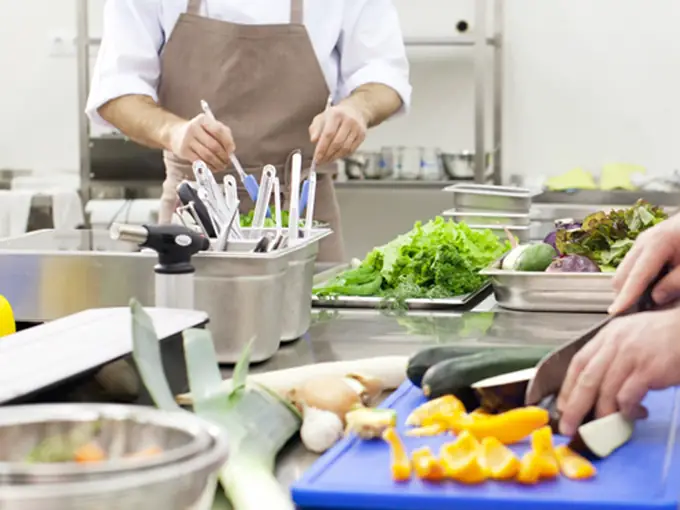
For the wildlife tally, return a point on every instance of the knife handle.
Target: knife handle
(646, 302)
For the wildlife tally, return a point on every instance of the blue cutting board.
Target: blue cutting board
(355, 474)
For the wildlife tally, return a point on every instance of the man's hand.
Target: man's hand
(654, 248)
(204, 139)
(615, 370)
(337, 132)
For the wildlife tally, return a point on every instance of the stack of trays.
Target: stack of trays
(492, 207)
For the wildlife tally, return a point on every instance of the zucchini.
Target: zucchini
(420, 362)
(456, 376)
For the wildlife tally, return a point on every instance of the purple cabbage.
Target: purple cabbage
(566, 224)
(573, 264)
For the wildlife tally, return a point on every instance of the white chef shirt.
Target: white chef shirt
(356, 42)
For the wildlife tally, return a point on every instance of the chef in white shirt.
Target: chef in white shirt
(267, 68)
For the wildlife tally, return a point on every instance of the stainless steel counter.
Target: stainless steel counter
(346, 335)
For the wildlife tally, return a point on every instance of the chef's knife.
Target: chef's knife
(551, 371)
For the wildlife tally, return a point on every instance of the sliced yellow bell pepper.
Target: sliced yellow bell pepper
(435, 411)
(509, 427)
(572, 465)
(499, 462)
(542, 445)
(427, 431)
(400, 464)
(426, 465)
(529, 469)
(479, 413)
(461, 460)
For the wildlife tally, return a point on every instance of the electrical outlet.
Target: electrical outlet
(62, 44)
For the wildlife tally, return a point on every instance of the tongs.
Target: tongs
(262, 203)
(294, 214)
(209, 191)
(231, 197)
(551, 371)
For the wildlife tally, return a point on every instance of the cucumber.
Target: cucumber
(423, 360)
(456, 376)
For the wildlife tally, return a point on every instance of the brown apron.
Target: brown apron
(265, 83)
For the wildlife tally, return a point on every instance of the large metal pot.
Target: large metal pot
(368, 165)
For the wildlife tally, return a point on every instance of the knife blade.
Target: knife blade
(552, 369)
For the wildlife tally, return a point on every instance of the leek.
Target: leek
(257, 422)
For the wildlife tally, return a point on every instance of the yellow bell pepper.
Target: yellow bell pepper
(435, 411)
(509, 427)
(427, 431)
(542, 445)
(400, 464)
(572, 465)
(461, 460)
(529, 469)
(426, 465)
(7, 324)
(499, 462)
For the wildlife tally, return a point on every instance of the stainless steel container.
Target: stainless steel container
(241, 292)
(551, 292)
(478, 197)
(489, 218)
(185, 484)
(297, 293)
(522, 233)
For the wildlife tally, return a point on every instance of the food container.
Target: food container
(297, 304)
(241, 292)
(119, 431)
(551, 292)
(489, 218)
(430, 164)
(478, 197)
(187, 483)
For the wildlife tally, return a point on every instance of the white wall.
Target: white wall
(587, 82)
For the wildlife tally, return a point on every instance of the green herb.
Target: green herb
(247, 221)
(606, 237)
(440, 259)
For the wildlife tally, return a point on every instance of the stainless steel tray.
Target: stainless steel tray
(478, 197)
(500, 219)
(376, 302)
(551, 292)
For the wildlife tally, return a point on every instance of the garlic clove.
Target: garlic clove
(320, 430)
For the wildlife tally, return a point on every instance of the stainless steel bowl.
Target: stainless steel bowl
(461, 165)
(189, 484)
(119, 430)
(368, 165)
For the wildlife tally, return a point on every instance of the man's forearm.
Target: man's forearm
(376, 101)
(141, 119)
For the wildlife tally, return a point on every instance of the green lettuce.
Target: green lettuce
(606, 237)
(439, 259)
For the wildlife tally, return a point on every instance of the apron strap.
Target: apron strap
(194, 7)
(296, 11)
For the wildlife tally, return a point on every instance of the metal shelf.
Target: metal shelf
(477, 41)
(461, 40)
